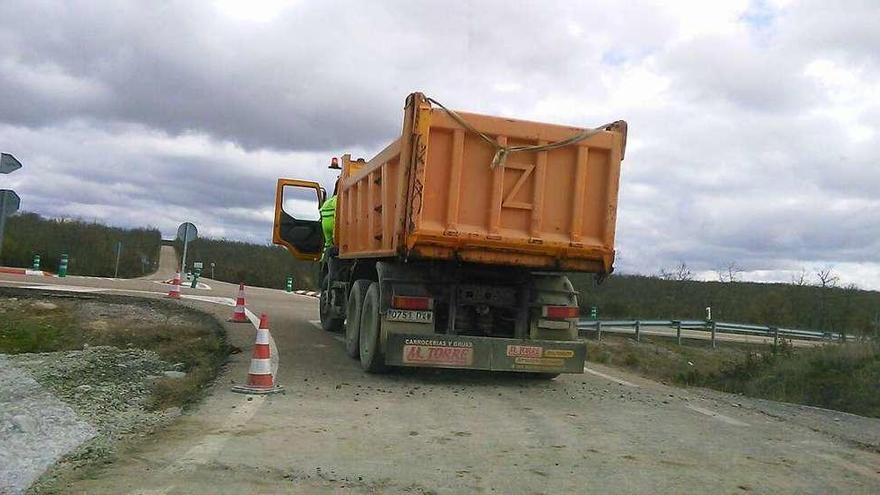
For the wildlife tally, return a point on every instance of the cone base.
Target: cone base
(176, 296)
(233, 320)
(248, 389)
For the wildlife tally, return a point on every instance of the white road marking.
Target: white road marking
(209, 445)
(65, 288)
(609, 377)
(715, 415)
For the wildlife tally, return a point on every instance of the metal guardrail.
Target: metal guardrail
(712, 327)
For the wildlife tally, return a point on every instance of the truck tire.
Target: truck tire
(328, 322)
(372, 358)
(353, 317)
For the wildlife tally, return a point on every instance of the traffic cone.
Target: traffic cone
(174, 291)
(238, 314)
(260, 380)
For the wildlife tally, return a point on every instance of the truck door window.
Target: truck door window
(300, 203)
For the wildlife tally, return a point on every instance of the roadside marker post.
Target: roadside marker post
(62, 266)
(678, 331)
(638, 331)
(197, 272)
(599, 330)
(289, 284)
(712, 325)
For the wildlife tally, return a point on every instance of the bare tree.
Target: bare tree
(729, 273)
(827, 278)
(800, 278)
(680, 273)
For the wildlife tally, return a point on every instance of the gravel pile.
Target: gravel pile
(106, 385)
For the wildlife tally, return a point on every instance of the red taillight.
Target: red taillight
(411, 302)
(560, 312)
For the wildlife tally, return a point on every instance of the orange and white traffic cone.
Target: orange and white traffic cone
(238, 314)
(174, 291)
(260, 380)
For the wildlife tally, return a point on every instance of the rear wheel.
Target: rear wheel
(328, 322)
(353, 317)
(372, 359)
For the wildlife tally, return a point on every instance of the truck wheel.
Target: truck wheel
(353, 317)
(329, 323)
(372, 359)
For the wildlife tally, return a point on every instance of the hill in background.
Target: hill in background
(252, 264)
(91, 247)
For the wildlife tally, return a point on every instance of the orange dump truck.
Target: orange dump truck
(450, 245)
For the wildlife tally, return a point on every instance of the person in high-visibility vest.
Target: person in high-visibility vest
(328, 221)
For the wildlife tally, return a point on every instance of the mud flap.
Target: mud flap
(485, 353)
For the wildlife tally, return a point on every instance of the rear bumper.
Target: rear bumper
(485, 353)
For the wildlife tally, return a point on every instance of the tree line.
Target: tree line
(251, 264)
(90, 246)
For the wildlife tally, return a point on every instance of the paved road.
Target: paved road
(338, 430)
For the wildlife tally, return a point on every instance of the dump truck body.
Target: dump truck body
(432, 194)
(449, 253)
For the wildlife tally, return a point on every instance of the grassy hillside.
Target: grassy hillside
(253, 264)
(795, 306)
(91, 247)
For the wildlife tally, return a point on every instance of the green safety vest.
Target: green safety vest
(328, 220)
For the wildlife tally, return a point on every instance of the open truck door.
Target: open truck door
(298, 219)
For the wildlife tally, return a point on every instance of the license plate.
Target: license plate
(410, 315)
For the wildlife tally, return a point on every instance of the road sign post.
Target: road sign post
(118, 254)
(9, 203)
(186, 232)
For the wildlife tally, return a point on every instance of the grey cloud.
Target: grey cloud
(152, 115)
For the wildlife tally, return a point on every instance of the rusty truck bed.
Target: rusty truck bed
(432, 194)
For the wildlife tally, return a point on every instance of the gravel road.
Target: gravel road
(338, 430)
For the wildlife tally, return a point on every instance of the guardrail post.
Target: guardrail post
(775, 336)
(638, 330)
(712, 325)
(678, 331)
(598, 330)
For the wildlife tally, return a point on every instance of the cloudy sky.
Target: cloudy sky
(754, 125)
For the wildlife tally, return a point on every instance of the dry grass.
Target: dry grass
(192, 341)
(842, 377)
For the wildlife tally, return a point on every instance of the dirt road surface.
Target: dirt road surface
(339, 430)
